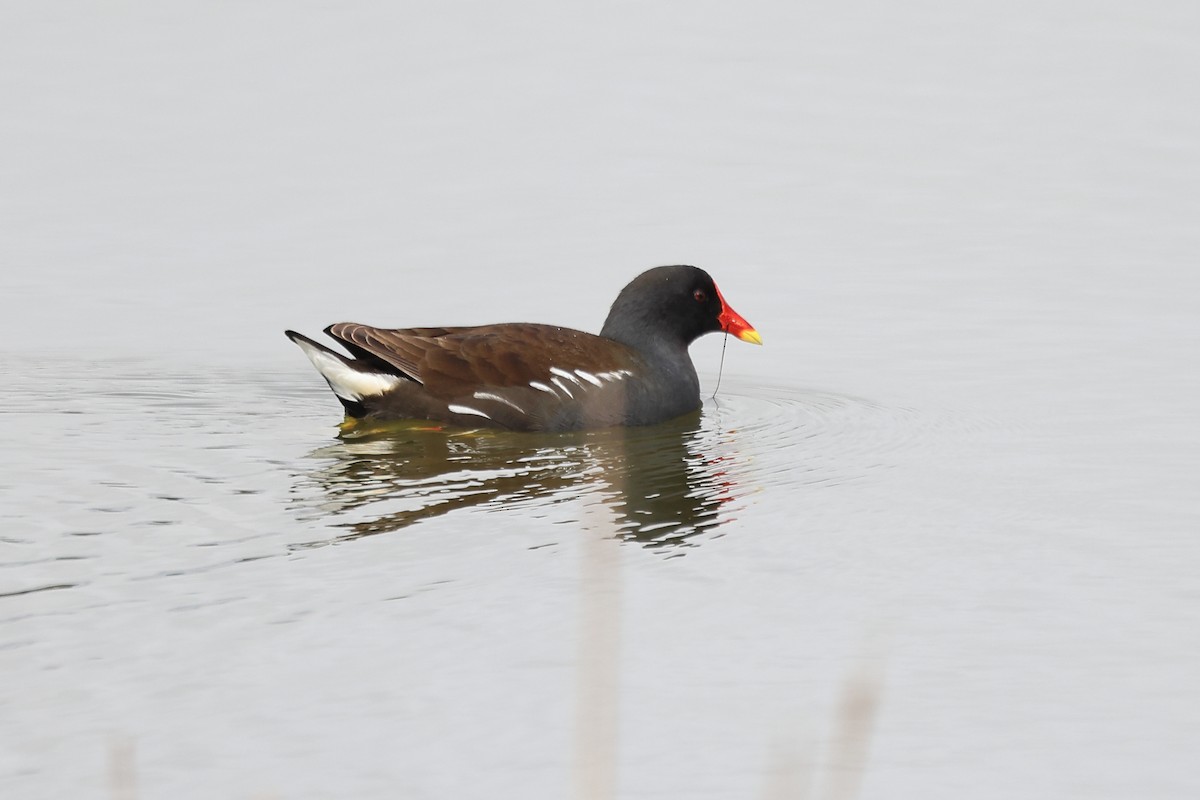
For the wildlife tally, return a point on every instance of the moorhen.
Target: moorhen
(529, 377)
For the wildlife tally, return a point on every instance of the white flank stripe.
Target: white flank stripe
(562, 373)
(589, 377)
(498, 399)
(346, 381)
(541, 387)
(562, 386)
(456, 409)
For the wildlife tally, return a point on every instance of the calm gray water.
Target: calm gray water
(937, 539)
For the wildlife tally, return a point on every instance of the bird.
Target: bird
(533, 377)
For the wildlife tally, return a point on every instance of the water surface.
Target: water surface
(934, 539)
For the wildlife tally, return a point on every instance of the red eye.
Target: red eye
(700, 296)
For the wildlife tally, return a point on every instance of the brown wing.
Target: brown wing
(451, 362)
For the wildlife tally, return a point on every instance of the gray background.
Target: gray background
(963, 466)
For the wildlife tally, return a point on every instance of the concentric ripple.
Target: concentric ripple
(664, 485)
(809, 436)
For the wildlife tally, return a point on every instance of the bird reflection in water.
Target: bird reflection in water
(661, 484)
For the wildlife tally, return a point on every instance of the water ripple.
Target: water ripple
(811, 436)
(661, 486)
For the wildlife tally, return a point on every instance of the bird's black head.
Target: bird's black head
(672, 305)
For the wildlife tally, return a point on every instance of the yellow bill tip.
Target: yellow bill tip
(750, 335)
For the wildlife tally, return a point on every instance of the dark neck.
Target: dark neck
(671, 375)
(641, 335)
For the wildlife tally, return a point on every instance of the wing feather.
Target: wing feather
(453, 362)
